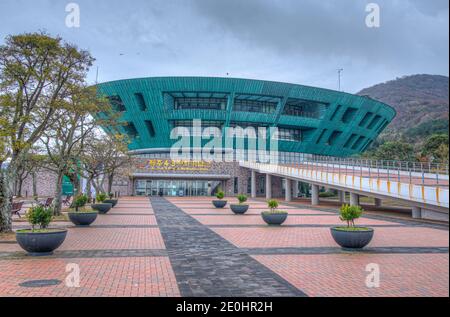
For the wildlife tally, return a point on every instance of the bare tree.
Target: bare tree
(27, 168)
(116, 157)
(104, 156)
(65, 137)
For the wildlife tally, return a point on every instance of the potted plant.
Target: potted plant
(81, 216)
(240, 208)
(111, 200)
(220, 203)
(101, 206)
(274, 216)
(41, 241)
(351, 236)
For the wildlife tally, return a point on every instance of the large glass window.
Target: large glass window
(288, 134)
(254, 106)
(188, 124)
(117, 103)
(304, 108)
(200, 103)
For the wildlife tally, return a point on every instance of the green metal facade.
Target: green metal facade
(346, 126)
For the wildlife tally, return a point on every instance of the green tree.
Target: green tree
(36, 71)
(394, 150)
(436, 148)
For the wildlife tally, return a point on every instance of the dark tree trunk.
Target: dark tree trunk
(58, 194)
(35, 193)
(7, 178)
(89, 189)
(19, 187)
(110, 182)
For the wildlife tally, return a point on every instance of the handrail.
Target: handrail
(359, 179)
(433, 174)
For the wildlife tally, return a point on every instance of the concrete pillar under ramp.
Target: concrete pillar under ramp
(416, 212)
(288, 190)
(268, 186)
(341, 195)
(354, 199)
(253, 184)
(314, 195)
(378, 202)
(295, 191)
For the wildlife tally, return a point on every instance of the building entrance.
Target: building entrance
(155, 187)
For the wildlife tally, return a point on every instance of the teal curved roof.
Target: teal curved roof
(346, 124)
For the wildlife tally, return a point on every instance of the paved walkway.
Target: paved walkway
(185, 247)
(206, 264)
(121, 254)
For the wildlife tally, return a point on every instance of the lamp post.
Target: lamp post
(340, 70)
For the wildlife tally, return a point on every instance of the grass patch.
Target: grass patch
(274, 212)
(83, 210)
(352, 229)
(39, 230)
(327, 194)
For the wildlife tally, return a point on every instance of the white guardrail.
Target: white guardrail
(434, 196)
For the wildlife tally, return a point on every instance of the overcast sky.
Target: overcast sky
(298, 41)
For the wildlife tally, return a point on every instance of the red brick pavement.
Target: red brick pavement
(344, 275)
(293, 220)
(143, 276)
(112, 239)
(272, 237)
(316, 275)
(125, 220)
(121, 276)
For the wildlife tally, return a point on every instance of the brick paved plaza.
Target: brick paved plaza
(184, 247)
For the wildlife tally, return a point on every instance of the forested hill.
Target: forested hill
(422, 106)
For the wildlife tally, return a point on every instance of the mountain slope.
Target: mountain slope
(421, 102)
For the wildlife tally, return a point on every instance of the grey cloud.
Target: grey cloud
(302, 41)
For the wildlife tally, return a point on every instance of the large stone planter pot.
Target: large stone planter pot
(82, 218)
(352, 239)
(102, 208)
(111, 201)
(41, 243)
(274, 219)
(239, 209)
(219, 203)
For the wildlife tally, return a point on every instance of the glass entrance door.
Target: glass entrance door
(173, 188)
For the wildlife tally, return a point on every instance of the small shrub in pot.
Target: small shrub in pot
(274, 216)
(102, 207)
(81, 216)
(111, 200)
(41, 240)
(240, 208)
(351, 236)
(220, 203)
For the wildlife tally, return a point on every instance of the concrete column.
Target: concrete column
(354, 199)
(288, 190)
(268, 186)
(295, 191)
(416, 212)
(314, 195)
(377, 202)
(341, 195)
(253, 184)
